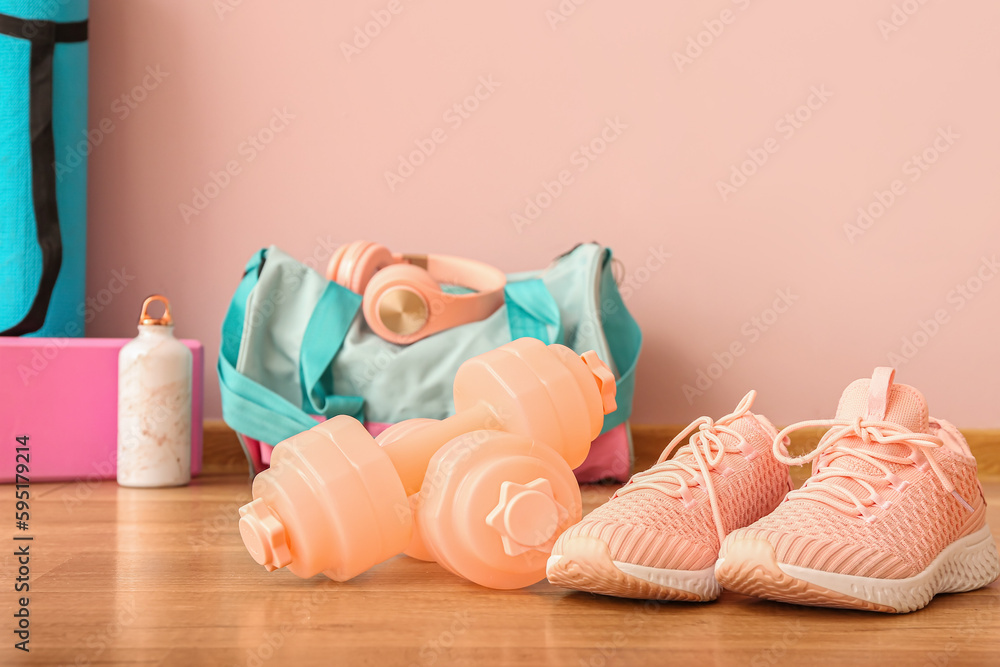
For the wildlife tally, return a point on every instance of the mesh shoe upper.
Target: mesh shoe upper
(882, 502)
(651, 527)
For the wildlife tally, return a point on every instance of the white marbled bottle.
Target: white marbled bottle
(154, 404)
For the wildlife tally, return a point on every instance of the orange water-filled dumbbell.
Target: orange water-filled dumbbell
(484, 492)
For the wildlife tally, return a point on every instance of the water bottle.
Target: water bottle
(154, 404)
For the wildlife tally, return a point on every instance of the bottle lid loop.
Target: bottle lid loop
(164, 320)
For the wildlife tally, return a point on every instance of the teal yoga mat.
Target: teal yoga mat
(43, 166)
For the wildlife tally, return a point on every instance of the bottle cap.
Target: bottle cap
(165, 320)
(605, 380)
(264, 535)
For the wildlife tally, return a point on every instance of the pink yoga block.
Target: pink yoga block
(63, 394)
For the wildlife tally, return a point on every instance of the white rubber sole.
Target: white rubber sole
(967, 564)
(586, 565)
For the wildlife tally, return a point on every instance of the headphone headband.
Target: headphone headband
(461, 271)
(403, 298)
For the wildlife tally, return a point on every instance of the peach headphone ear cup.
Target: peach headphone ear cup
(354, 265)
(336, 260)
(411, 309)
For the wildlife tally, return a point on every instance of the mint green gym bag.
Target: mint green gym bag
(296, 350)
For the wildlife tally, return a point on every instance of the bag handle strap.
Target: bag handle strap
(532, 312)
(322, 341)
(256, 411)
(624, 340)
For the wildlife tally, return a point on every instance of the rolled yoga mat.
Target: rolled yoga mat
(43, 166)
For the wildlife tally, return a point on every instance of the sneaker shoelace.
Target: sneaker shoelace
(676, 477)
(823, 486)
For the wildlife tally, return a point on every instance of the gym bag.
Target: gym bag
(295, 349)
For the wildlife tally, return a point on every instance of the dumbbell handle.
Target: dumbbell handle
(411, 453)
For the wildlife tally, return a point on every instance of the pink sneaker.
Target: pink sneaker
(658, 537)
(892, 515)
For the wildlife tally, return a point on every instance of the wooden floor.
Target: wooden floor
(160, 577)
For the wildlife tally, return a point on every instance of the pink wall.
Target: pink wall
(885, 97)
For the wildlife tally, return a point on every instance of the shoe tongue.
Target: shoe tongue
(878, 399)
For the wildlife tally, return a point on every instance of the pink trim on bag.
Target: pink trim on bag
(609, 458)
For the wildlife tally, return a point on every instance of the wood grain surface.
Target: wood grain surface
(160, 577)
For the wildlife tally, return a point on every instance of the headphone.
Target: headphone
(403, 300)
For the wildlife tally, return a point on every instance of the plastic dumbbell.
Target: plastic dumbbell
(484, 492)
